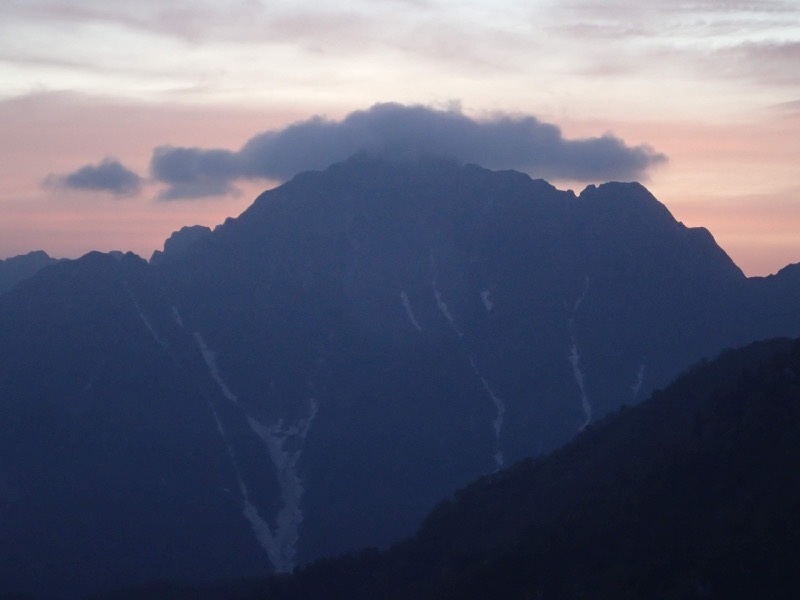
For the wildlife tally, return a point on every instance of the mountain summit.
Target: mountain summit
(316, 374)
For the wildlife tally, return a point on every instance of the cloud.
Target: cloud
(194, 173)
(502, 141)
(230, 21)
(715, 39)
(343, 30)
(107, 176)
(768, 62)
(791, 108)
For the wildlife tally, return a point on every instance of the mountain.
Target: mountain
(313, 376)
(17, 268)
(179, 243)
(692, 494)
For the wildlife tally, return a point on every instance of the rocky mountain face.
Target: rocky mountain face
(179, 243)
(313, 376)
(692, 494)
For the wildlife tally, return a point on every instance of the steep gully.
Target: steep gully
(279, 544)
(575, 358)
(497, 402)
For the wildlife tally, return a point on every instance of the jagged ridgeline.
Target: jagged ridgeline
(18, 268)
(315, 375)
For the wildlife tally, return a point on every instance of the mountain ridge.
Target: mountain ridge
(359, 343)
(18, 268)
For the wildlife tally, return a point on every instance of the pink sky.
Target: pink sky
(714, 86)
(55, 133)
(740, 181)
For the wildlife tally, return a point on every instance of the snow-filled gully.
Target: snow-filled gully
(497, 402)
(637, 385)
(409, 311)
(144, 318)
(574, 358)
(279, 543)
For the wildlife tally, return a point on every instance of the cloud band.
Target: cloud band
(395, 130)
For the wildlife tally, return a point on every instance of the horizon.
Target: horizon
(119, 125)
(147, 254)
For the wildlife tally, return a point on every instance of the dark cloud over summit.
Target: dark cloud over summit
(502, 141)
(108, 176)
(194, 173)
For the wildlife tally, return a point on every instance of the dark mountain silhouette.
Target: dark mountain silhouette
(693, 494)
(17, 268)
(315, 375)
(179, 243)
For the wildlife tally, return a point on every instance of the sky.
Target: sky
(122, 122)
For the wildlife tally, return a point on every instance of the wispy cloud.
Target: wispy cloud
(238, 21)
(502, 141)
(347, 29)
(508, 53)
(788, 108)
(109, 176)
(717, 39)
(771, 62)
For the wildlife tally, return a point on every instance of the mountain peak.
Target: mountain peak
(179, 242)
(18, 268)
(626, 196)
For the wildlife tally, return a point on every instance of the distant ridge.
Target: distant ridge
(18, 268)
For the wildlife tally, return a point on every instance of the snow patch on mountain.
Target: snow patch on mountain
(580, 299)
(497, 402)
(259, 526)
(144, 318)
(285, 457)
(577, 373)
(281, 545)
(442, 306)
(409, 311)
(500, 406)
(177, 316)
(637, 385)
(574, 357)
(210, 358)
(486, 299)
